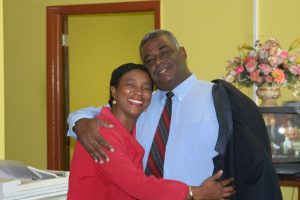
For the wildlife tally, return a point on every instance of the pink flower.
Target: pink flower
(254, 76)
(268, 78)
(283, 55)
(239, 69)
(294, 69)
(271, 46)
(265, 68)
(273, 61)
(278, 75)
(250, 64)
(292, 58)
(265, 63)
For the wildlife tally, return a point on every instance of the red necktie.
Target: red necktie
(155, 164)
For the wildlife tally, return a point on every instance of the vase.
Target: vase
(268, 94)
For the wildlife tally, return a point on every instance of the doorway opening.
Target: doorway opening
(57, 70)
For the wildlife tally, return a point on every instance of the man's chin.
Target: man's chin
(164, 85)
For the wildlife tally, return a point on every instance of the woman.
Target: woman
(123, 177)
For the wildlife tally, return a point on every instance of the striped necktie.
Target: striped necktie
(155, 164)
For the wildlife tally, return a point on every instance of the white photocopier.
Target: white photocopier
(18, 181)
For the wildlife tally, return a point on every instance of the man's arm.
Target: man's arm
(84, 126)
(88, 113)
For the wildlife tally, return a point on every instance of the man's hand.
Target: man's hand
(88, 135)
(214, 189)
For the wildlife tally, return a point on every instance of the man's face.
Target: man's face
(165, 62)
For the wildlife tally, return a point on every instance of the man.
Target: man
(166, 62)
(191, 150)
(276, 138)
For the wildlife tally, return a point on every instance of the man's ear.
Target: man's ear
(182, 52)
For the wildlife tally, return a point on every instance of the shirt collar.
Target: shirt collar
(180, 91)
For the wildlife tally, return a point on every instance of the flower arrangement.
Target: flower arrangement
(265, 63)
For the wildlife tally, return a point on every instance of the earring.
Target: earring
(145, 110)
(114, 101)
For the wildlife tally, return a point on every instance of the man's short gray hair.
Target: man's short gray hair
(157, 33)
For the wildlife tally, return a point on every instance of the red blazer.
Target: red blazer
(122, 177)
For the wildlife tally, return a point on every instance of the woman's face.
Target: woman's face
(133, 94)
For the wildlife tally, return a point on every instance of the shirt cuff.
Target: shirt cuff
(72, 120)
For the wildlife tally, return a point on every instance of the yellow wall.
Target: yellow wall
(290, 193)
(2, 136)
(25, 78)
(280, 19)
(210, 31)
(97, 45)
